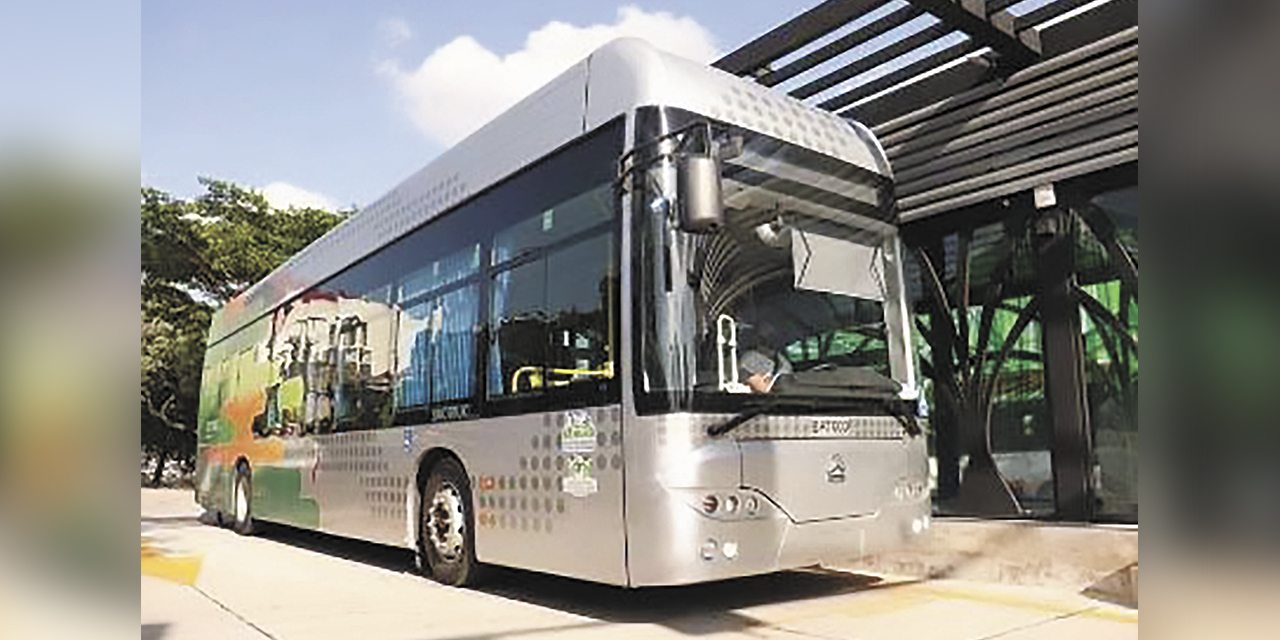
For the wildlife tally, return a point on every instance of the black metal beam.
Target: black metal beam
(949, 82)
(1063, 350)
(1014, 54)
(1092, 25)
(927, 63)
(794, 34)
(1011, 24)
(871, 61)
(996, 6)
(944, 423)
(836, 47)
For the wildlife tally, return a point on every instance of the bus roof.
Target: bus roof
(613, 80)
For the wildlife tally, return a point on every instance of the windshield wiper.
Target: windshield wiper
(766, 405)
(738, 420)
(904, 417)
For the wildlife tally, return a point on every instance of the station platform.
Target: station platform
(1096, 560)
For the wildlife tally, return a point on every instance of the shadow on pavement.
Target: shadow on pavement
(376, 555)
(698, 609)
(173, 521)
(695, 609)
(154, 631)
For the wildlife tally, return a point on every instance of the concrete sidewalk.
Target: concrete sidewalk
(289, 584)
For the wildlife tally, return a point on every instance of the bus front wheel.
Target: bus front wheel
(446, 532)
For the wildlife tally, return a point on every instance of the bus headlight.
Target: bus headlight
(710, 504)
(726, 504)
(731, 504)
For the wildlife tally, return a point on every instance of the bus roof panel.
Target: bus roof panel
(614, 80)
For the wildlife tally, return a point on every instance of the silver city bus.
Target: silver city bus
(647, 327)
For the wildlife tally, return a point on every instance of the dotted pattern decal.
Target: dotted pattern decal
(359, 453)
(531, 497)
(781, 116)
(693, 433)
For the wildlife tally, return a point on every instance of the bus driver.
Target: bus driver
(760, 370)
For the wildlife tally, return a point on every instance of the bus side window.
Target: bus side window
(518, 339)
(552, 306)
(454, 340)
(581, 288)
(553, 321)
(437, 331)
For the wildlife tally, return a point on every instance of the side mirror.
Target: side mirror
(698, 196)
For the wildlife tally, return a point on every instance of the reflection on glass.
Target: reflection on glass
(399, 328)
(551, 313)
(441, 273)
(790, 297)
(437, 330)
(553, 225)
(1108, 257)
(438, 354)
(518, 352)
(580, 291)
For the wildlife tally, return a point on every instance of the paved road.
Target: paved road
(287, 584)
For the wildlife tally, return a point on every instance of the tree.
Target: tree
(196, 255)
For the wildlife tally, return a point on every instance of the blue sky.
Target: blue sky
(69, 74)
(333, 98)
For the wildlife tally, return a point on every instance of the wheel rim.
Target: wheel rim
(242, 503)
(445, 523)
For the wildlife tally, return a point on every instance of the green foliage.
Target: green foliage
(196, 255)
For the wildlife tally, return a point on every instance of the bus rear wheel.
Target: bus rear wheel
(446, 531)
(241, 506)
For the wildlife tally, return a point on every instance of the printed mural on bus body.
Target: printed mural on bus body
(234, 397)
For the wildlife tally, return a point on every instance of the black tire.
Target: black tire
(242, 502)
(446, 527)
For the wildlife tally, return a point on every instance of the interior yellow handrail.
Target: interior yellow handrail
(535, 375)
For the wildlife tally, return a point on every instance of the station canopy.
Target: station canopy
(874, 60)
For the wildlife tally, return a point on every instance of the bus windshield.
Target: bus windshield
(792, 297)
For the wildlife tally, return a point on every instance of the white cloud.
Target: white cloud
(283, 195)
(463, 84)
(395, 32)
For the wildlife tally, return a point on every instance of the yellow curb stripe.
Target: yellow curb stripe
(1086, 609)
(157, 562)
(896, 599)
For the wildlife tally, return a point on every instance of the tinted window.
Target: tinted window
(397, 336)
(332, 357)
(581, 291)
(553, 225)
(552, 308)
(438, 348)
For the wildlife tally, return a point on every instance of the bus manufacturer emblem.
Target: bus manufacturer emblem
(836, 468)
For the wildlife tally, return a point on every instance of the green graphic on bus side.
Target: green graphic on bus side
(277, 495)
